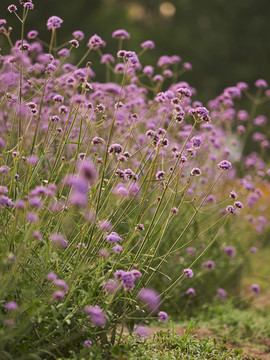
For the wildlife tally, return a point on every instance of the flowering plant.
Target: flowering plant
(115, 195)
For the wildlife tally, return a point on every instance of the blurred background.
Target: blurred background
(226, 41)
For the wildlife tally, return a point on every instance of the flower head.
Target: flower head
(255, 288)
(12, 8)
(225, 165)
(188, 273)
(163, 316)
(120, 34)
(95, 42)
(54, 22)
(11, 306)
(191, 291)
(150, 298)
(148, 44)
(87, 343)
(96, 314)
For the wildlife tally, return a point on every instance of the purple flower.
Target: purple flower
(188, 273)
(187, 66)
(238, 204)
(59, 240)
(184, 92)
(175, 59)
(54, 22)
(113, 237)
(87, 343)
(164, 61)
(96, 314)
(127, 278)
(141, 227)
(233, 195)
(210, 265)
(97, 140)
(78, 34)
(32, 217)
(111, 286)
(148, 70)
(230, 251)
(87, 171)
(148, 44)
(202, 113)
(195, 172)
(28, 5)
(3, 190)
(35, 202)
(11, 306)
(150, 298)
(191, 291)
(163, 316)
(115, 149)
(105, 225)
(120, 34)
(141, 330)
(255, 288)
(224, 165)
(107, 58)
(12, 8)
(230, 209)
(117, 249)
(61, 283)
(58, 295)
(261, 83)
(196, 142)
(160, 175)
(95, 42)
(51, 276)
(222, 293)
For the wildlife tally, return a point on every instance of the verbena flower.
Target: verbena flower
(148, 44)
(11, 306)
(163, 316)
(150, 298)
(87, 343)
(12, 8)
(127, 278)
(113, 237)
(222, 293)
(96, 314)
(121, 34)
(188, 273)
(191, 291)
(54, 22)
(141, 330)
(255, 288)
(230, 251)
(225, 165)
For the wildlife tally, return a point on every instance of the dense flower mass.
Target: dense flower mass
(113, 193)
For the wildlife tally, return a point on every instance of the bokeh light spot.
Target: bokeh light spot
(167, 9)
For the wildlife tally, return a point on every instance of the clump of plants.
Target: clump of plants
(120, 198)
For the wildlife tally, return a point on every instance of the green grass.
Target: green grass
(165, 345)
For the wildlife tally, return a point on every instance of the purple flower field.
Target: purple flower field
(121, 201)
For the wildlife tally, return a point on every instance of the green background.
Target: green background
(226, 41)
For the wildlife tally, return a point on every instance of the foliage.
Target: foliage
(113, 193)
